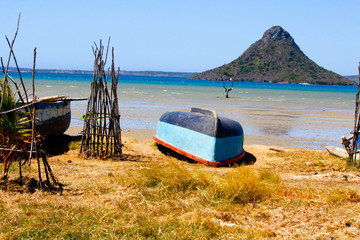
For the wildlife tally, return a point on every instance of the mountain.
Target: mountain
(274, 58)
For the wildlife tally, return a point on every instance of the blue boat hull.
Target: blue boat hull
(52, 117)
(202, 137)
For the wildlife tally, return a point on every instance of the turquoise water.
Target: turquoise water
(307, 116)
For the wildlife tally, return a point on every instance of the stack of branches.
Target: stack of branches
(101, 135)
(17, 141)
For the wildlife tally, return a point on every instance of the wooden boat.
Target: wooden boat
(202, 136)
(53, 117)
(336, 151)
(53, 114)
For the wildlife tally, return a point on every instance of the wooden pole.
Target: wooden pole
(33, 138)
(33, 135)
(354, 143)
(356, 133)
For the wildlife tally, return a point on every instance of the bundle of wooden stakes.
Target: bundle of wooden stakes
(101, 135)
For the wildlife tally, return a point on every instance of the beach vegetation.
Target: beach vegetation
(154, 201)
(308, 160)
(149, 195)
(340, 195)
(74, 145)
(241, 185)
(13, 134)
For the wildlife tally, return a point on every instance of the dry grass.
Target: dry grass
(291, 194)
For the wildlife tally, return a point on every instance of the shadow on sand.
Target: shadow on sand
(59, 144)
(248, 159)
(29, 185)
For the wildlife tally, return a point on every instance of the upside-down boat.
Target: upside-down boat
(202, 135)
(53, 114)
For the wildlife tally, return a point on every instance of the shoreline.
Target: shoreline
(278, 141)
(297, 128)
(306, 117)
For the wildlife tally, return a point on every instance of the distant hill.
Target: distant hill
(274, 58)
(354, 78)
(158, 74)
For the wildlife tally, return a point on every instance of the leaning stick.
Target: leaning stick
(107, 50)
(12, 80)
(11, 46)
(33, 140)
(18, 69)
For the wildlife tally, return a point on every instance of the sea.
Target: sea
(289, 115)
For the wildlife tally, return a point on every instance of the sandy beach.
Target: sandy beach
(317, 196)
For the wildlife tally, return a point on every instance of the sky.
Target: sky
(177, 35)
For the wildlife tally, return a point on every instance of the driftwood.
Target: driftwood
(227, 90)
(276, 149)
(101, 135)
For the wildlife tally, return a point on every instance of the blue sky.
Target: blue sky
(172, 35)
